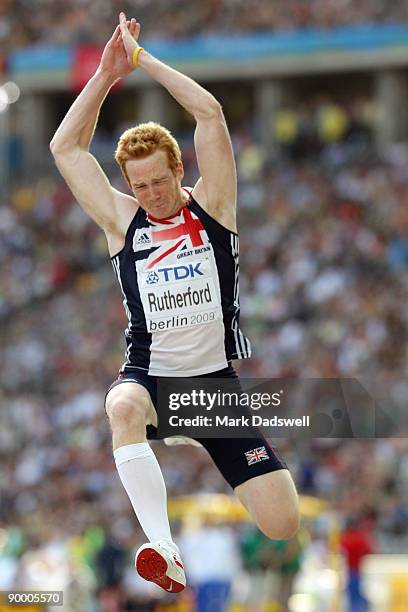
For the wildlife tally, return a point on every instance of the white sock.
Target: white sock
(142, 478)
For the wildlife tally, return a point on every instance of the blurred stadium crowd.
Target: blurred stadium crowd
(82, 21)
(324, 258)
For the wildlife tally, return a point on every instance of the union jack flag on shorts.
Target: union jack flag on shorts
(256, 455)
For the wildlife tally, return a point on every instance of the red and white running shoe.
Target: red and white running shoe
(160, 563)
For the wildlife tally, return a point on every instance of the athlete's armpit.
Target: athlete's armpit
(224, 213)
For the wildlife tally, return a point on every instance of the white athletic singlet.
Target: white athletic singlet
(179, 279)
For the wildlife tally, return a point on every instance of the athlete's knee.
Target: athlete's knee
(124, 410)
(282, 527)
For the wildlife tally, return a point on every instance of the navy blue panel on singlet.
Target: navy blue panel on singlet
(226, 250)
(138, 339)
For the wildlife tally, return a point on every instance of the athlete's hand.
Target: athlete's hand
(114, 58)
(129, 38)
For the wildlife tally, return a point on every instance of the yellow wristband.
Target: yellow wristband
(135, 58)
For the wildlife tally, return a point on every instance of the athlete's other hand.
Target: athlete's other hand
(114, 58)
(129, 38)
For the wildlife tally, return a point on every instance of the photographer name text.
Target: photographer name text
(242, 421)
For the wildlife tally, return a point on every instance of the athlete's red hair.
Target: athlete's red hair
(143, 140)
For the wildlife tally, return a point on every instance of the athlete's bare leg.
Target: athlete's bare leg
(129, 409)
(272, 502)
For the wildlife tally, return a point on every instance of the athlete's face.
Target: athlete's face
(156, 187)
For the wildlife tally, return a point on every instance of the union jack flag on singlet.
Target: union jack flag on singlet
(179, 279)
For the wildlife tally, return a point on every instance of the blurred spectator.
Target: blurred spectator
(356, 542)
(211, 554)
(315, 127)
(273, 566)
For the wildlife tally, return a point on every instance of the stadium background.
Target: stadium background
(315, 94)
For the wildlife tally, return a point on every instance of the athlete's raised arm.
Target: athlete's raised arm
(111, 209)
(217, 186)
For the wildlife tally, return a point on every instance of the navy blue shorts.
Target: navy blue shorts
(228, 454)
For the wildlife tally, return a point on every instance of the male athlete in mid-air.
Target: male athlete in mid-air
(177, 328)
